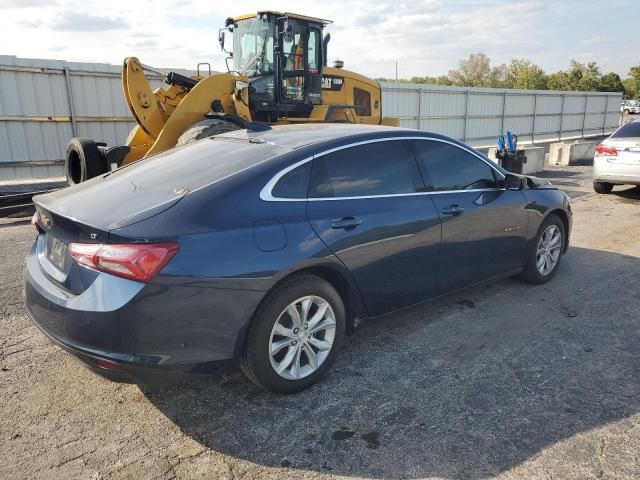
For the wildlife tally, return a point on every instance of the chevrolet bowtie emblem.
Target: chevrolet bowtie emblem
(46, 220)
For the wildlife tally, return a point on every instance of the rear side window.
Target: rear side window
(378, 168)
(628, 130)
(447, 167)
(293, 184)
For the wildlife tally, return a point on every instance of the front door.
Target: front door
(483, 226)
(363, 205)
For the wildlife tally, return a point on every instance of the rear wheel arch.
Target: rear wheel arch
(344, 287)
(336, 278)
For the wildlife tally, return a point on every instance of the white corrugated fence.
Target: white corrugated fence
(43, 103)
(478, 115)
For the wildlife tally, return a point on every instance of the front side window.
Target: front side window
(378, 168)
(448, 167)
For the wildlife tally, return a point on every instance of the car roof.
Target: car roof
(296, 136)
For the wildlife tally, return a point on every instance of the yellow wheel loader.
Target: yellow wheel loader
(278, 75)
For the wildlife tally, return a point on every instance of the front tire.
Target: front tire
(548, 247)
(295, 335)
(602, 187)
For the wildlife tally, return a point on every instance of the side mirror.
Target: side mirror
(221, 35)
(513, 182)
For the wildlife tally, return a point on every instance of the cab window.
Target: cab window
(313, 46)
(293, 49)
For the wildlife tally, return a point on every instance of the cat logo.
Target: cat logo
(330, 82)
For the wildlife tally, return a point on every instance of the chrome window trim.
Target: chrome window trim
(267, 195)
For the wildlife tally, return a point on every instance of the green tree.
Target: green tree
(630, 90)
(523, 74)
(591, 77)
(632, 84)
(559, 81)
(498, 77)
(441, 80)
(611, 82)
(575, 74)
(472, 72)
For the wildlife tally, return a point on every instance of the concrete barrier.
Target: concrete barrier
(555, 153)
(535, 159)
(575, 153)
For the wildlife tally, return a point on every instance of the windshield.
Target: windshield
(253, 47)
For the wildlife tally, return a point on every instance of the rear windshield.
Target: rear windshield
(196, 165)
(628, 130)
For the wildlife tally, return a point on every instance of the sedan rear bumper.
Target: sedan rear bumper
(615, 172)
(141, 333)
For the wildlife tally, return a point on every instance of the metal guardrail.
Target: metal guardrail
(15, 203)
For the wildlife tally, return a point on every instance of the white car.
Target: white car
(630, 106)
(617, 159)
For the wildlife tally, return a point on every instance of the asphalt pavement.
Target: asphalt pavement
(506, 380)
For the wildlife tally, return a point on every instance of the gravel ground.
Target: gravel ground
(506, 380)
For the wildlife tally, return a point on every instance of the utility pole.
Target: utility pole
(396, 70)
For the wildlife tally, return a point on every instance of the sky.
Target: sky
(425, 37)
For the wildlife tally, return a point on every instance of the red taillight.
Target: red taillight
(137, 261)
(606, 150)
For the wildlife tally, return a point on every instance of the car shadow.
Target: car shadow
(630, 195)
(465, 387)
(558, 174)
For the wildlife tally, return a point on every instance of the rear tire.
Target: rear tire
(83, 160)
(602, 187)
(261, 356)
(204, 129)
(532, 272)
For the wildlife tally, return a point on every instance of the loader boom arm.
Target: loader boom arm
(152, 108)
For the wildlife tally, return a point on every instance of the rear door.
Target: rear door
(483, 226)
(363, 204)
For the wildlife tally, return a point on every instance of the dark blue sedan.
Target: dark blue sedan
(260, 249)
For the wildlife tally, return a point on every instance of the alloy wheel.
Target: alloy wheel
(548, 251)
(302, 337)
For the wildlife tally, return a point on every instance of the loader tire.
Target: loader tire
(83, 160)
(205, 128)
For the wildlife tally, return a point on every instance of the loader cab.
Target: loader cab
(282, 54)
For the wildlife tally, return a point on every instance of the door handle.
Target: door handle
(346, 223)
(453, 210)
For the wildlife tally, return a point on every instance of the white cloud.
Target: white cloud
(74, 21)
(26, 3)
(425, 37)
